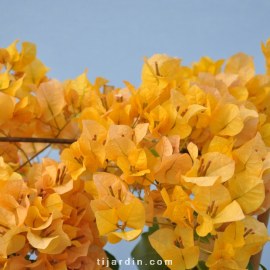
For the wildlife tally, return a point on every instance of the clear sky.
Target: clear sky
(110, 37)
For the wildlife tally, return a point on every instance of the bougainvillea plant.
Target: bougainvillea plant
(186, 154)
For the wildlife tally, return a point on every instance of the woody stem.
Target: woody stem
(37, 140)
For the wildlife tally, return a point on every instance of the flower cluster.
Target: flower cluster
(48, 216)
(187, 150)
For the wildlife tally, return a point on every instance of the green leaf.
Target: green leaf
(201, 265)
(27, 257)
(204, 239)
(112, 258)
(250, 266)
(144, 252)
(154, 152)
(263, 267)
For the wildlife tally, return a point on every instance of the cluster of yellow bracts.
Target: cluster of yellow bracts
(188, 150)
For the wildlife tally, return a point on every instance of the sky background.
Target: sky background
(110, 37)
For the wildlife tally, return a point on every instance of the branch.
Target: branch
(37, 140)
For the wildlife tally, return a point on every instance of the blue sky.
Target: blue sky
(111, 37)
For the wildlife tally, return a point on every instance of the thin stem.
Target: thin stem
(28, 161)
(1, 154)
(56, 123)
(49, 153)
(60, 130)
(153, 145)
(181, 148)
(160, 223)
(46, 123)
(73, 108)
(7, 228)
(52, 114)
(134, 187)
(34, 146)
(64, 127)
(135, 123)
(207, 251)
(2, 132)
(33, 157)
(152, 183)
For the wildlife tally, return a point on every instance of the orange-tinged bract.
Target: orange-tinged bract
(188, 150)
